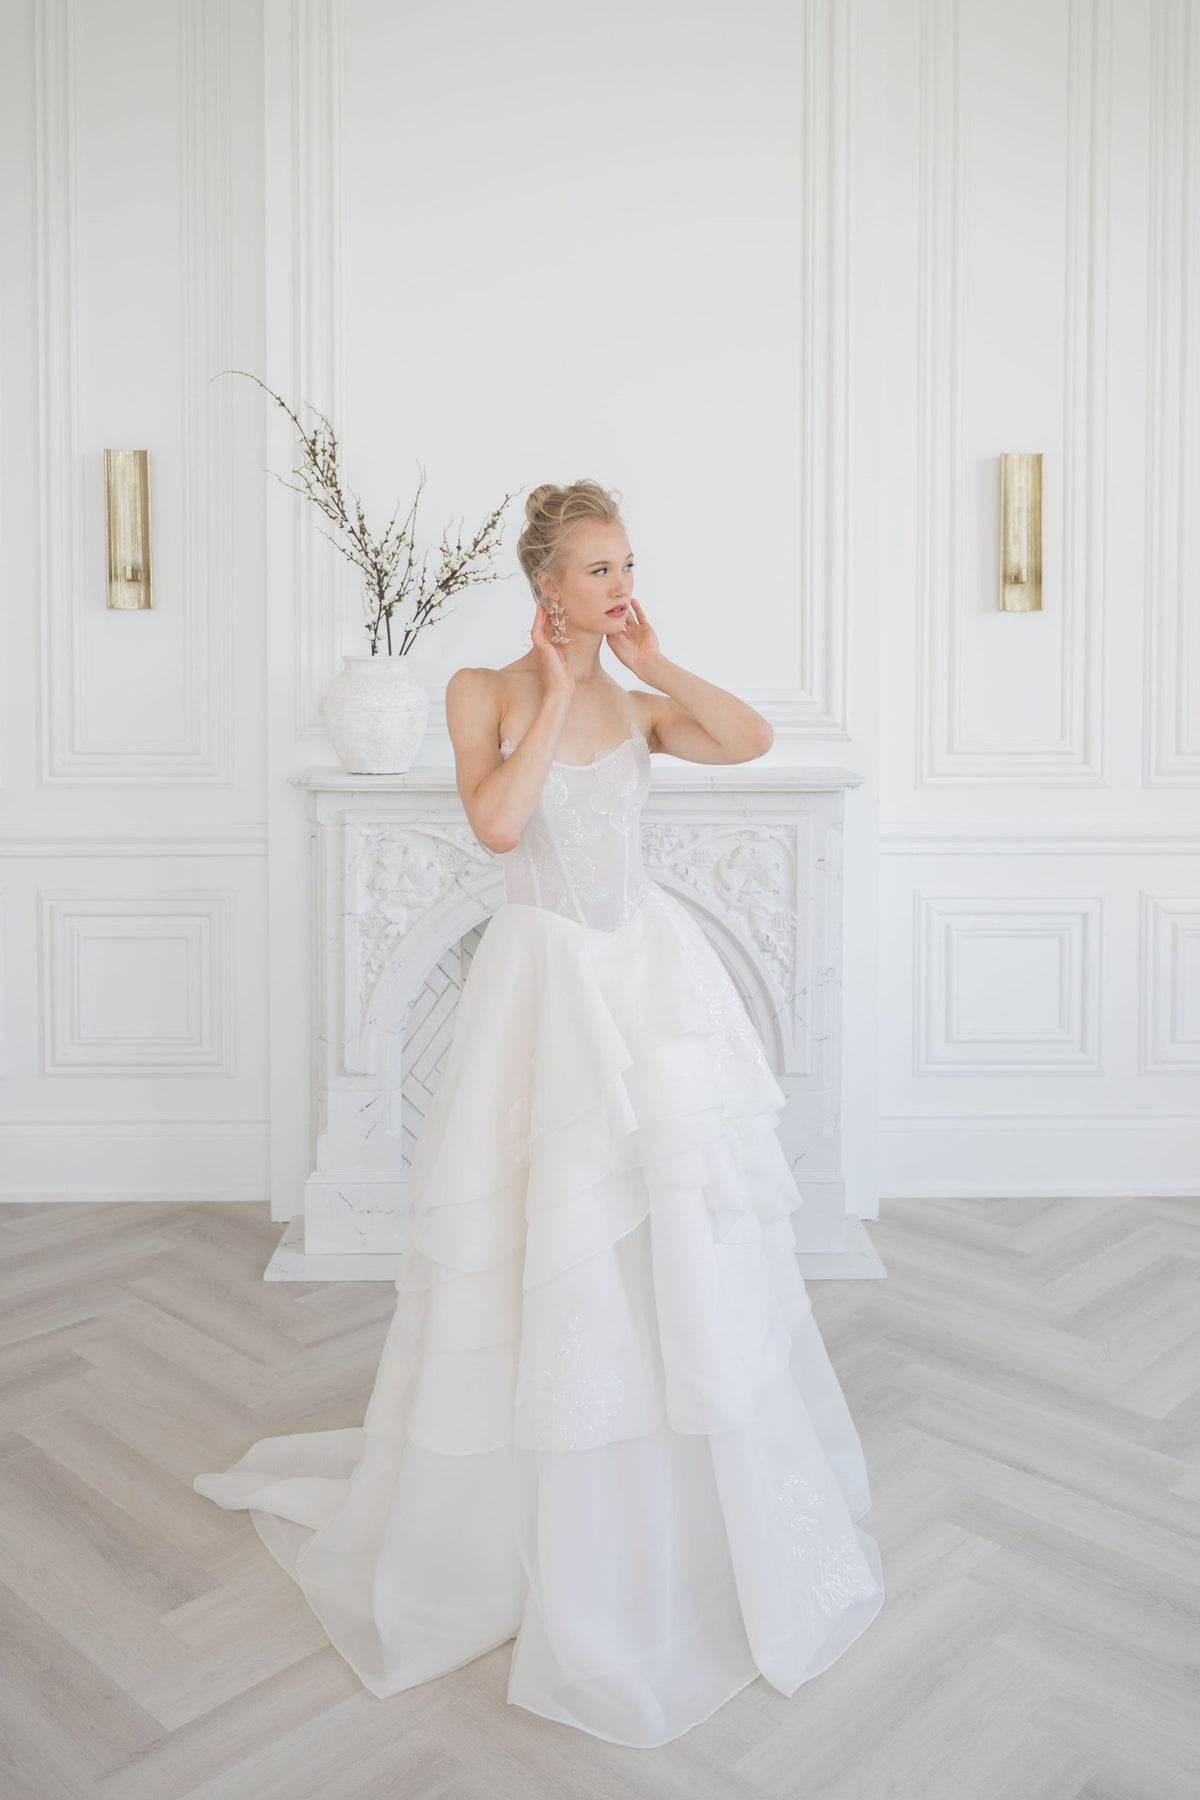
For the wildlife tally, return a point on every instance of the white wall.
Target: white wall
(1040, 850)
(133, 1004)
(791, 277)
(527, 242)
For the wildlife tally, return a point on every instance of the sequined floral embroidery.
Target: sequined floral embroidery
(834, 1571)
(580, 851)
(567, 864)
(618, 791)
(554, 795)
(568, 1401)
(732, 1026)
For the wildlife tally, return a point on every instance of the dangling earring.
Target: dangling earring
(558, 620)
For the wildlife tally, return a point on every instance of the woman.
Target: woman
(604, 1422)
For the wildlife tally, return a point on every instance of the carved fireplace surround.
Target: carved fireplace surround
(402, 892)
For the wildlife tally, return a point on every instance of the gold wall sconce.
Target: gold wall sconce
(127, 514)
(1020, 533)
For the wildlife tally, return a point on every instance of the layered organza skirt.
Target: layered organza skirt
(604, 1422)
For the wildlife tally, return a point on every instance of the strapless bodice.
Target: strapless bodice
(580, 852)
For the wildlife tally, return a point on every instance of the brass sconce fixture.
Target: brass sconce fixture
(1020, 533)
(127, 514)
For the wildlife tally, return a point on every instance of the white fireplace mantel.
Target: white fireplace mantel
(402, 892)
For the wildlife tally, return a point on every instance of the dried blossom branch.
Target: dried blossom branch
(319, 479)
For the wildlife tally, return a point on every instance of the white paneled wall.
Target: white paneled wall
(791, 276)
(132, 842)
(1040, 833)
(615, 245)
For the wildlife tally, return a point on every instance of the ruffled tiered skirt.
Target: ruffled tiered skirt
(604, 1421)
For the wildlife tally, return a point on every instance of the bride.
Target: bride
(604, 1423)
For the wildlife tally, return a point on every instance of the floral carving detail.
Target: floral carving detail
(746, 874)
(402, 875)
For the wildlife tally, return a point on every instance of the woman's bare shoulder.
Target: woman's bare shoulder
(479, 700)
(473, 681)
(505, 683)
(472, 706)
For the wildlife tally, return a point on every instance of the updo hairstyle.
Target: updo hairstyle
(550, 512)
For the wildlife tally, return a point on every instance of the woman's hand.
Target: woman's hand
(552, 664)
(634, 644)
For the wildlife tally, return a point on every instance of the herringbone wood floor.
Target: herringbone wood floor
(1027, 1383)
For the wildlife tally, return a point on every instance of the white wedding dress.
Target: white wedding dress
(604, 1422)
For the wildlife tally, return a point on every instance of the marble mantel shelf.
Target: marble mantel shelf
(680, 777)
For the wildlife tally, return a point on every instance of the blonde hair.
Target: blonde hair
(550, 513)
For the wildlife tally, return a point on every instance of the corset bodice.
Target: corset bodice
(580, 852)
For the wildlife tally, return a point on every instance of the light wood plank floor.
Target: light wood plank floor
(1027, 1383)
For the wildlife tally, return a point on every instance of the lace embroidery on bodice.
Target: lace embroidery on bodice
(580, 852)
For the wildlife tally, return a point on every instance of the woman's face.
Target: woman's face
(596, 579)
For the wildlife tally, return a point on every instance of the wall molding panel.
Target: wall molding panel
(980, 995)
(938, 838)
(1170, 985)
(1172, 686)
(817, 704)
(182, 838)
(946, 753)
(305, 262)
(173, 952)
(1112, 1118)
(71, 573)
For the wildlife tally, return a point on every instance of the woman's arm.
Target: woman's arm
(498, 794)
(692, 718)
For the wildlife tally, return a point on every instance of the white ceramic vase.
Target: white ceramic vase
(376, 711)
